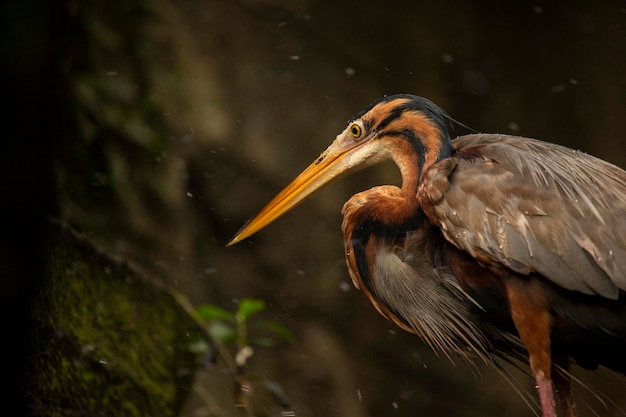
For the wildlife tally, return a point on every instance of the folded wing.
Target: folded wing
(533, 206)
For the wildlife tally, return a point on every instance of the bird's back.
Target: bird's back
(548, 216)
(538, 207)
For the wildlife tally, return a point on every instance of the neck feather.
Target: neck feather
(415, 143)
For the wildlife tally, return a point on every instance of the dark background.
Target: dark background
(158, 127)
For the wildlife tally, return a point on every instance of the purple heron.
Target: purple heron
(495, 246)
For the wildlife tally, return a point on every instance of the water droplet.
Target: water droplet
(557, 89)
(447, 58)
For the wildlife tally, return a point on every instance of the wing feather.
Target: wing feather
(533, 206)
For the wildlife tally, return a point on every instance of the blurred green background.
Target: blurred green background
(158, 127)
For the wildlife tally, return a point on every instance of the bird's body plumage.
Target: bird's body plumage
(493, 245)
(482, 204)
(534, 206)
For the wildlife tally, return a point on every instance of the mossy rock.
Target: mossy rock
(105, 340)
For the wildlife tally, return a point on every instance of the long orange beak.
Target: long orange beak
(332, 164)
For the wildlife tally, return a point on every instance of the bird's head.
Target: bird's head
(408, 129)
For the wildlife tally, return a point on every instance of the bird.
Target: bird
(493, 247)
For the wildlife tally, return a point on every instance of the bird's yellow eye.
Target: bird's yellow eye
(356, 131)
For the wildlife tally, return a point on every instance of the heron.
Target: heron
(494, 246)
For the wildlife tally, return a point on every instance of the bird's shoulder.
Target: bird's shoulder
(534, 207)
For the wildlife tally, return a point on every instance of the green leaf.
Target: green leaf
(249, 307)
(210, 312)
(279, 330)
(263, 341)
(198, 346)
(222, 331)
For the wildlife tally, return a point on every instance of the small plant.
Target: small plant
(232, 327)
(233, 339)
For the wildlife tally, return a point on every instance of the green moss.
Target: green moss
(105, 340)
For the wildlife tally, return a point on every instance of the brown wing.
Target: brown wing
(534, 207)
